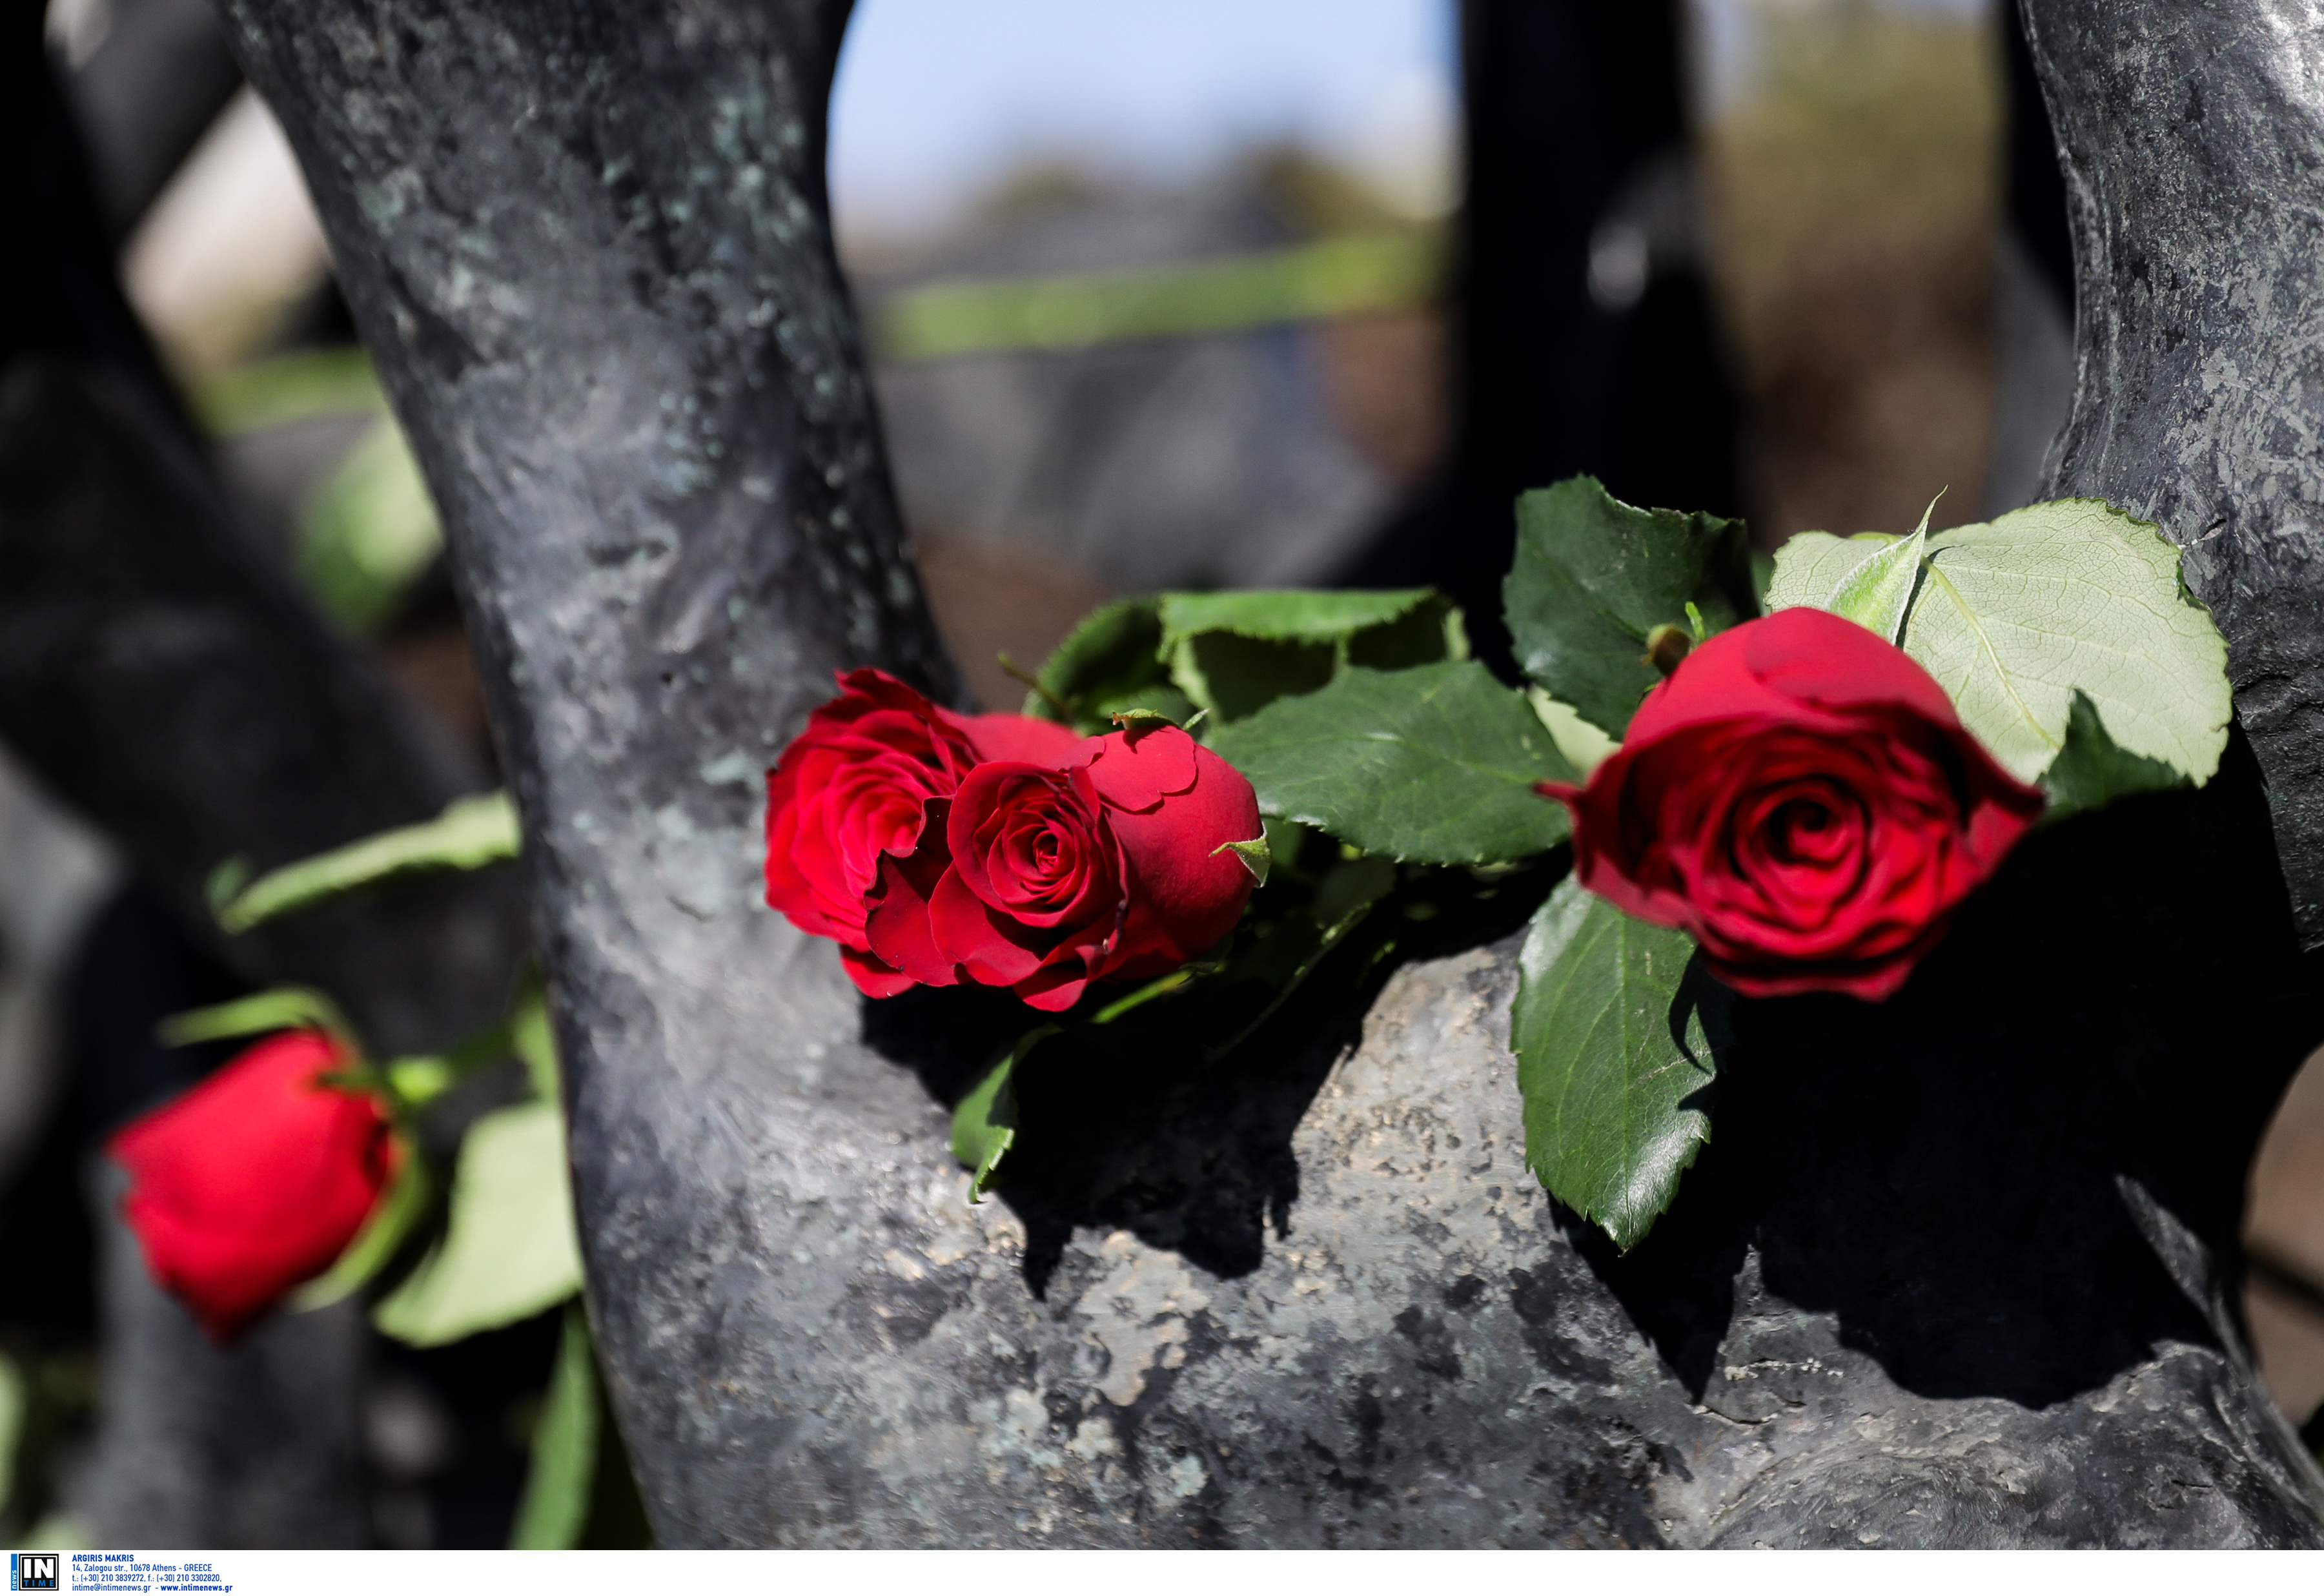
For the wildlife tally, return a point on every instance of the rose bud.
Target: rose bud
(1799, 798)
(1175, 806)
(254, 1180)
(854, 787)
(1046, 879)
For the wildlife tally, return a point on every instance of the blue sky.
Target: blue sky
(938, 98)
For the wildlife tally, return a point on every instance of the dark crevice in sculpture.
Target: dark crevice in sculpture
(58, 298)
(2034, 200)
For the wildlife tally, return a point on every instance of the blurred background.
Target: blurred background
(1195, 293)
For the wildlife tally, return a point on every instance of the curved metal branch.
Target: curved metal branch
(2193, 141)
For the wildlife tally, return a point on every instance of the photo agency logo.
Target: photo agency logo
(32, 1571)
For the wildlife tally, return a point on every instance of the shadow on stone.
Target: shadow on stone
(1941, 1171)
(1133, 1128)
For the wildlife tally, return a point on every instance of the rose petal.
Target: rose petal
(1136, 771)
(1057, 985)
(1186, 889)
(976, 937)
(850, 788)
(873, 977)
(896, 922)
(1022, 740)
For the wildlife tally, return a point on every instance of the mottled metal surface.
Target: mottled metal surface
(1948, 1275)
(2193, 142)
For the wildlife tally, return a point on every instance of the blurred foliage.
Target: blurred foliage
(564, 1446)
(368, 532)
(1071, 311)
(1855, 192)
(580, 1491)
(290, 388)
(471, 833)
(511, 1249)
(1325, 200)
(1869, 144)
(15, 1399)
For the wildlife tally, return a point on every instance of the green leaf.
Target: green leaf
(369, 531)
(1434, 765)
(2091, 770)
(470, 834)
(1159, 701)
(1432, 631)
(1111, 660)
(390, 1224)
(2015, 616)
(512, 1248)
(1138, 720)
(418, 1080)
(565, 1448)
(285, 1008)
(1233, 677)
(1816, 563)
(231, 876)
(1877, 594)
(1616, 1033)
(1285, 614)
(1234, 653)
(1582, 744)
(533, 1040)
(1594, 576)
(421, 1078)
(289, 388)
(984, 1125)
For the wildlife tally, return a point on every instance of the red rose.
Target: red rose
(1174, 805)
(854, 786)
(1045, 880)
(1801, 799)
(254, 1180)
